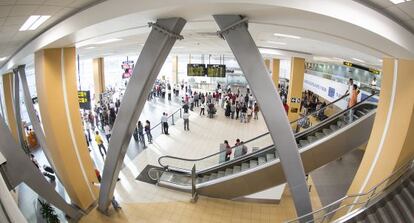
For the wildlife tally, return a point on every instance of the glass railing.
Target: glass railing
(246, 148)
(156, 130)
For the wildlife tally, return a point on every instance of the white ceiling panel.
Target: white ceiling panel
(15, 20)
(23, 10)
(4, 10)
(58, 2)
(47, 10)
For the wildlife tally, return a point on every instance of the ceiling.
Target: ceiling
(13, 13)
(402, 13)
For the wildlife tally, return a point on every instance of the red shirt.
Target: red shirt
(286, 106)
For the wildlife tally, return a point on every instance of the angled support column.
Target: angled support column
(40, 135)
(19, 168)
(161, 39)
(253, 67)
(17, 112)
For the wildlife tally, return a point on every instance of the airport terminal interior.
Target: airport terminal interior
(206, 111)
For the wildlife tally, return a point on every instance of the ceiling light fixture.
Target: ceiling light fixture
(359, 60)
(108, 41)
(269, 51)
(399, 1)
(91, 47)
(278, 43)
(33, 22)
(3, 58)
(286, 35)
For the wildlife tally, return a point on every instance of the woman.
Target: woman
(228, 150)
(354, 96)
(141, 133)
(147, 129)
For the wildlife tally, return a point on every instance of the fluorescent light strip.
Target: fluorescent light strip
(269, 51)
(397, 1)
(33, 22)
(359, 60)
(3, 58)
(278, 43)
(108, 41)
(286, 35)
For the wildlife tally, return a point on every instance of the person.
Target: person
(164, 120)
(244, 148)
(147, 129)
(256, 111)
(227, 112)
(286, 107)
(243, 113)
(186, 119)
(303, 122)
(140, 129)
(232, 110)
(192, 103)
(350, 84)
(249, 113)
(169, 92)
(237, 110)
(202, 108)
(353, 96)
(228, 150)
(186, 107)
(99, 141)
(374, 82)
(107, 130)
(33, 159)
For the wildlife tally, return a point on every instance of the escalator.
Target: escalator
(261, 169)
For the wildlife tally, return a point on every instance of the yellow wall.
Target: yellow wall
(275, 71)
(8, 92)
(98, 77)
(391, 143)
(267, 63)
(174, 75)
(59, 108)
(297, 74)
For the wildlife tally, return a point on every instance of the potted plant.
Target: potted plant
(48, 212)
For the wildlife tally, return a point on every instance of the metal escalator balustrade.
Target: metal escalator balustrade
(261, 169)
(389, 201)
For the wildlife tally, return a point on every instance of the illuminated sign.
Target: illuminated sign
(84, 98)
(349, 64)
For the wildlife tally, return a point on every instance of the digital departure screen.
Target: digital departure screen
(196, 70)
(349, 64)
(216, 70)
(84, 98)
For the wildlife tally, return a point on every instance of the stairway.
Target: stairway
(395, 207)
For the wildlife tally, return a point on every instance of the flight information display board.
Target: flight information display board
(216, 70)
(84, 98)
(196, 70)
(374, 71)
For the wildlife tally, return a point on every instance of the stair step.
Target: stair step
(253, 163)
(262, 160)
(312, 139)
(403, 207)
(327, 131)
(383, 215)
(303, 143)
(228, 172)
(220, 174)
(244, 166)
(213, 176)
(236, 169)
(270, 157)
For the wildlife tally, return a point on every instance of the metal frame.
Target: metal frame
(252, 64)
(19, 168)
(160, 41)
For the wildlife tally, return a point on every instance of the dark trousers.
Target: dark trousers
(102, 149)
(108, 137)
(165, 127)
(202, 111)
(186, 124)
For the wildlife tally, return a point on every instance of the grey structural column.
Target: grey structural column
(1, 105)
(16, 101)
(161, 39)
(234, 31)
(19, 168)
(34, 119)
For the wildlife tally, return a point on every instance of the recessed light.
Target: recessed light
(399, 1)
(269, 51)
(359, 60)
(278, 43)
(3, 58)
(286, 35)
(33, 22)
(108, 41)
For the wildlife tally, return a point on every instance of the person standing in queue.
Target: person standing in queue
(164, 121)
(141, 138)
(186, 119)
(147, 129)
(99, 141)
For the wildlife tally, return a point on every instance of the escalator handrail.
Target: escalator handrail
(261, 135)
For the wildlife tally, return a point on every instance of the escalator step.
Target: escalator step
(404, 208)
(355, 117)
(360, 113)
(392, 210)
(411, 187)
(319, 135)
(244, 166)
(205, 178)
(372, 218)
(262, 160)
(408, 196)
(312, 139)
(333, 127)
(253, 163)
(340, 124)
(270, 157)
(327, 131)
(383, 215)
(366, 110)
(220, 174)
(236, 169)
(303, 143)
(213, 176)
(228, 172)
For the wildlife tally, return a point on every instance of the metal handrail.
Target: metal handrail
(159, 123)
(261, 135)
(399, 172)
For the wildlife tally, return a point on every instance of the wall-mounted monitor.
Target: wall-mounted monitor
(216, 70)
(196, 70)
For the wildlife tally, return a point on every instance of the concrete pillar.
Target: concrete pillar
(59, 107)
(174, 79)
(391, 143)
(98, 77)
(297, 73)
(275, 71)
(8, 92)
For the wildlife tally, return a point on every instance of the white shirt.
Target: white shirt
(164, 118)
(186, 115)
(107, 129)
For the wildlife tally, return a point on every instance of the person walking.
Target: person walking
(147, 129)
(202, 108)
(186, 119)
(141, 138)
(99, 141)
(107, 130)
(256, 111)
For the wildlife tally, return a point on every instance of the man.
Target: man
(164, 121)
(107, 130)
(101, 146)
(186, 119)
